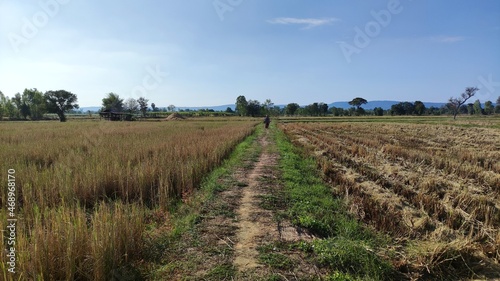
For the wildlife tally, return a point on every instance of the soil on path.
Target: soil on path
(243, 218)
(253, 222)
(256, 226)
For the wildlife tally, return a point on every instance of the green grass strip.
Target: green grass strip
(347, 247)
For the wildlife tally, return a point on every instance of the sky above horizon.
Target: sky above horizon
(208, 52)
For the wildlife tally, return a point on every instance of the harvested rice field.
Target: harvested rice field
(433, 189)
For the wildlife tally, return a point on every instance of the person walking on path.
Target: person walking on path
(267, 121)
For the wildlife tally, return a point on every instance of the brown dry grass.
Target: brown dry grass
(423, 184)
(86, 190)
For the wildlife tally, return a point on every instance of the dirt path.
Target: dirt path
(256, 226)
(253, 222)
(241, 234)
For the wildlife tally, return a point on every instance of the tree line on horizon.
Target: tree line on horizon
(454, 107)
(34, 104)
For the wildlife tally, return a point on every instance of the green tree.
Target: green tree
(34, 99)
(267, 107)
(143, 105)
(241, 106)
(419, 108)
(323, 108)
(291, 108)
(22, 108)
(478, 110)
(153, 107)
(229, 110)
(112, 102)
(409, 107)
(9, 109)
(60, 102)
(454, 104)
(403, 108)
(312, 109)
(397, 109)
(2, 105)
(276, 110)
(358, 102)
(253, 108)
(463, 109)
(497, 107)
(470, 108)
(488, 108)
(378, 111)
(337, 111)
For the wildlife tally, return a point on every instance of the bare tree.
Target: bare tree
(456, 103)
(131, 105)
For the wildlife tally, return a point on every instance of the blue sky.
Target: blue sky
(206, 52)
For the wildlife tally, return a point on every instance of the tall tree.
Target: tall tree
(419, 108)
(312, 109)
(153, 106)
(497, 107)
(9, 109)
(455, 103)
(143, 105)
(112, 102)
(33, 99)
(253, 108)
(291, 108)
(323, 108)
(403, 108)
(268, 106)
(22, 108)
(60, 102)
(378, 111)
(478, 108)
(3, 109)
(409, 107)
(337, 111)
(171, 108)
(470, 108)
(241, 106)
(131, 105)
(488, 108)
(358, 102)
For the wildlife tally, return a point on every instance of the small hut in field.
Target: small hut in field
(115, 116)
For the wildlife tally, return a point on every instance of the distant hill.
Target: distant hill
(91, 108)
(384, 104)
(215, 108)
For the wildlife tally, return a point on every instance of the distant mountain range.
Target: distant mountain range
(384, 104)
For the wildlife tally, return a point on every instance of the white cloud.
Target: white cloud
(309, 23)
